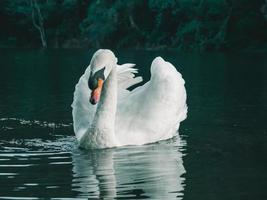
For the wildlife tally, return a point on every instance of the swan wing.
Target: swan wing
(126, 78)
(153, 111)
(83, 111)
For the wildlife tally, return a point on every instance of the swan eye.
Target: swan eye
(92, 82)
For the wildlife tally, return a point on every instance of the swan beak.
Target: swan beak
(95, 94)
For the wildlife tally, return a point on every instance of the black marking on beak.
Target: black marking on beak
(92, 81)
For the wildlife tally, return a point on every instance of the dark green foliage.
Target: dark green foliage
(183, 24)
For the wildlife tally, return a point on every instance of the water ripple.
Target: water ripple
(39, 163)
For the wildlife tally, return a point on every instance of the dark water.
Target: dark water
(221, 152)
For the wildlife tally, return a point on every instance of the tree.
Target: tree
(27, 14)
(37, 20)
(184, 24)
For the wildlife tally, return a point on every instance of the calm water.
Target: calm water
(221, 152)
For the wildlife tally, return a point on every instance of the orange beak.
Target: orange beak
(95, 95)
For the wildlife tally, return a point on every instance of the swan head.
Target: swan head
(101, 65)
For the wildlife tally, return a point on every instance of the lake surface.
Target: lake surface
(221, 152)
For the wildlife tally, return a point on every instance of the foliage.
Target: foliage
(183, 24)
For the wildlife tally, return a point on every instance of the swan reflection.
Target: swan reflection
(150, 171)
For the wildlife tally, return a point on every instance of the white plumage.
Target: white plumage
(147, 114)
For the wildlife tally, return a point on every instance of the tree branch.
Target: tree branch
(40, 25)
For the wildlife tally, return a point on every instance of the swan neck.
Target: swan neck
(108, 99)
(104, 121)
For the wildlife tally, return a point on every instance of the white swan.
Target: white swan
(115, 116)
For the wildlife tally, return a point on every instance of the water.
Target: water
(220, 154)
